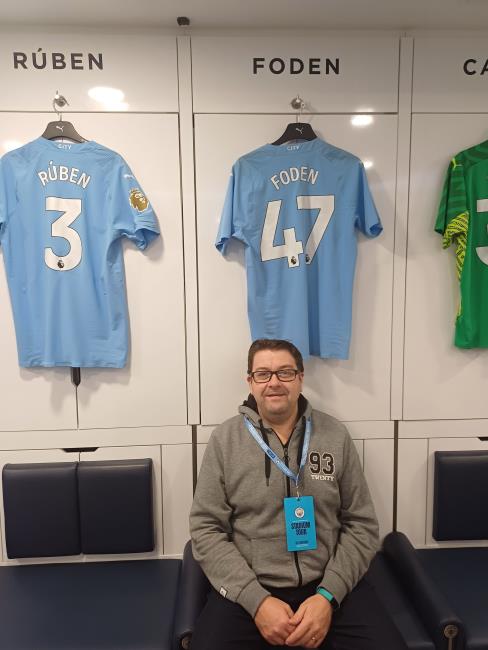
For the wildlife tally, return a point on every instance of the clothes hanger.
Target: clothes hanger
(297, 130)
(61, 128)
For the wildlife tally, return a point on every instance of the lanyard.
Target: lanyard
(276, 460)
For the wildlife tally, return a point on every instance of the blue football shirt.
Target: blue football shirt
(296, 208)
(64, 208)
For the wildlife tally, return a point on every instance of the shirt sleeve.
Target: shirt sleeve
(367, 218)
(235, 208)
(134, 217)
(453, 216)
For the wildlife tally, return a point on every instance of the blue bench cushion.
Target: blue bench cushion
(460, 495)
(40, 503)
(116, 506)
(126, 605)
(462, 575)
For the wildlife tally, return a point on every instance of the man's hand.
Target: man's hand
(273, 620)
(312, 620)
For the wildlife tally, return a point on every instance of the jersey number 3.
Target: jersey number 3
(292, 248)
(71, 209)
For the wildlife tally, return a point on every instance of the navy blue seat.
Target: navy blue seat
(89, 606)
(462, 576)
(55, 509)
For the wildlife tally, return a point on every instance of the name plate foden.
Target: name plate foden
(262, 74)
(294, 65)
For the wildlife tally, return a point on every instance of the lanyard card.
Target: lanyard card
(300, 524)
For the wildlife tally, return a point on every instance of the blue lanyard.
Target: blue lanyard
(271, 454)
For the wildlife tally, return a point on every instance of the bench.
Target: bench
(449, 584)
(437, 597)
(72, 511)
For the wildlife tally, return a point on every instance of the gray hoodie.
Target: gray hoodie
(237, 518)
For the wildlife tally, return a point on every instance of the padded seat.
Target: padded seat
(194, 588)
(89, 606)
(462, 575)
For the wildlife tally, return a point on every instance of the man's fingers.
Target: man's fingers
(297, 616)
(314, 641)
(279, 637)
(301, 634)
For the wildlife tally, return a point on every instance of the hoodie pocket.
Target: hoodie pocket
(271, 562)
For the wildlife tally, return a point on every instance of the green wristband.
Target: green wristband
(328, 596)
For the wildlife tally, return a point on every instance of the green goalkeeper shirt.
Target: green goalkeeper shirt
(462, 220)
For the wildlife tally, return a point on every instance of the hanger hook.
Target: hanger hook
(297, 104)
(61, 101)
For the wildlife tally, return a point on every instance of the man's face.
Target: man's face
(275, 398)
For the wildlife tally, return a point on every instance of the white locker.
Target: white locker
(378, 470)
(412, 488)
(416, 481)
(357, 389)
(333, 74)
(151, 389)
(440, 380)
(177, 486)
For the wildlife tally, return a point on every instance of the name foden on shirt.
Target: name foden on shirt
(293, 174)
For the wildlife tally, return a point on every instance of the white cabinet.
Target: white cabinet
(416, 454)
(357, 389)
(440, 381)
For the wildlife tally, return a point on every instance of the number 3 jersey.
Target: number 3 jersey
(64, 208)
(296, 208)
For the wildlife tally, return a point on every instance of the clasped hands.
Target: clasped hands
(307, 627)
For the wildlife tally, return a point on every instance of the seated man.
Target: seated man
(283, 525)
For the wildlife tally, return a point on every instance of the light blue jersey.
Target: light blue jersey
(296, 208)
(64, 208)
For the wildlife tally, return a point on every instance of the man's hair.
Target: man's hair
(274, 344)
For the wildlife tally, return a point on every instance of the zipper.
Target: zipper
(295, 554)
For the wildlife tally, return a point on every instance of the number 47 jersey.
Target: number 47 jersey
(64, 208)
(296, 208)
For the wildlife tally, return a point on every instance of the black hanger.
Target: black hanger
(296, 131)
(62, 129)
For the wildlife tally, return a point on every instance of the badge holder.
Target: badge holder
(300, 523)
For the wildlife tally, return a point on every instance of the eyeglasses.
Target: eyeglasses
(263, 376)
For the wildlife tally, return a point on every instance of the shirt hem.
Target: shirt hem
(72, 364)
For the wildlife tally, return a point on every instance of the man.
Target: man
(275, 582)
